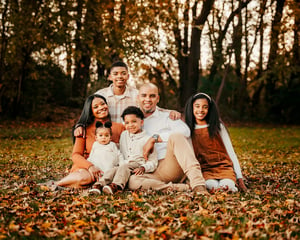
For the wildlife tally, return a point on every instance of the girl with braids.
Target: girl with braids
(105, 153)
(212, 145)
(83, 172)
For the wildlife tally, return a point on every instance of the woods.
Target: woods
(244, 53)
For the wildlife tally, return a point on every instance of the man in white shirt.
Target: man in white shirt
(176, 155)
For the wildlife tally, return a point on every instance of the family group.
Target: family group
(124, 140)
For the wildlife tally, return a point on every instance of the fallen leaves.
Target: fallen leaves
(270, 209)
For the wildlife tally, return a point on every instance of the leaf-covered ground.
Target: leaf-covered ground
(34, 153)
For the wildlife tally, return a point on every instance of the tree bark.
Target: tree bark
(189, 81)
(296, 45)
(256, 95)
(82, 60)
(237, 50)
(217, 54)
(271, 77)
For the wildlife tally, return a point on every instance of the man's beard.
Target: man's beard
(149, 110)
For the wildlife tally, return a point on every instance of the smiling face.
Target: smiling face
(99, 108)
(119, 76)
(132, 123)
(103, 135)
(200, 110)
(148, 98)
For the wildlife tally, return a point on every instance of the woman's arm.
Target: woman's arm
(78, 158)
(80, 162)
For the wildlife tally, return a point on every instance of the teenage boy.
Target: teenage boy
(132, 141)
(119, 95)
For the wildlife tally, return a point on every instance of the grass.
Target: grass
(32, 153)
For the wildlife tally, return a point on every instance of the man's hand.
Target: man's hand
(78, 132)
(241, 185)
(139, 171)
(174, 115)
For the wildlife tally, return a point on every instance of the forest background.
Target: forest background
(244, 53)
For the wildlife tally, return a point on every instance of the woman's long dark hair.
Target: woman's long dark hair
(212, 118)
(87, 117)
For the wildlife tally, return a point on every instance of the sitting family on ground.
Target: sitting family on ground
(84, 173)
(178, 167)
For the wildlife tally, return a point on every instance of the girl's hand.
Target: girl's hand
(139, 171)
(241, 185)
(174, 115)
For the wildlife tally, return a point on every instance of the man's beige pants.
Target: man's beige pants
(180, 162)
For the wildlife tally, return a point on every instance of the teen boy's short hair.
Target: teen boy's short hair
(133, 110)
(119, 64)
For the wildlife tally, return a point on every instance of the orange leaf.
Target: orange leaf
(13, 227)
(26, 189)
(46, 225)
(79, 222)
(28, 229)
(162, 229)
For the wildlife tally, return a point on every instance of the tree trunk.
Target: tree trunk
(217, 54)
(4, 41)
(242, 92)
(189, 82)
(256, 95)
(3, 50)
(271, 75)
(182, 52)
(276, 24)
(82, 60)
(296, 46)
(237, 50)
(220, 90)
(81, 76)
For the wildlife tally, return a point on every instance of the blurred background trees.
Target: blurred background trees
(245, 53)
